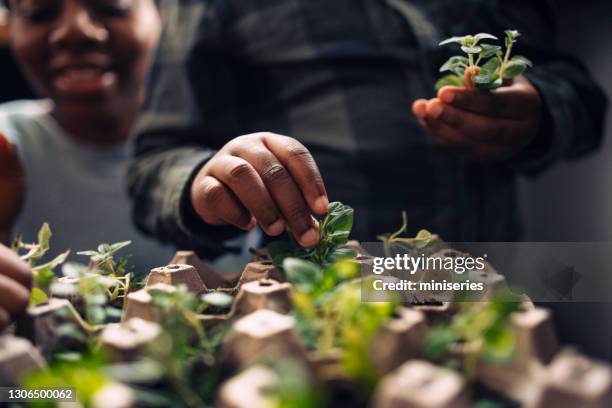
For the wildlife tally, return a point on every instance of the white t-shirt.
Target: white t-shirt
(78, 189)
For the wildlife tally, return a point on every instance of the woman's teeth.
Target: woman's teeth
(82, 74)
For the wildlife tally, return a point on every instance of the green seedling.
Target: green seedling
(330, 315)
(101, 285)
(44, 274)
(422, 240)
(334, 230)
(104, 258)
(487, 65)
(99, 293)
(327, 302)
(187, 345)
(85, 375)
(481, 329)
(294, 387)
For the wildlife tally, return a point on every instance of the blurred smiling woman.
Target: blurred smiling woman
(89, 59)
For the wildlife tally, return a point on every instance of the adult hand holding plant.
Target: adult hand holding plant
(262, 178)
(487, 112)
(11, 187)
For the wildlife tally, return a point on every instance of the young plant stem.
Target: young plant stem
(503, 64)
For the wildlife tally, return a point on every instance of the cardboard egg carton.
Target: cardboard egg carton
(260, 335)
(573, 380)
(39, 325)
(18, 357)
(124, 341)
(261, 330)
(398, 340)
(420, 384)
(249, 389)
(259, 285)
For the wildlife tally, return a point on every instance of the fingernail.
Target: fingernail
(310, 238)
(436, 111)
(321, 204)
(448, 97)
(251, 224)
(277, 227)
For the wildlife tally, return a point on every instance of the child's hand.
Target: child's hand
(481, 125)
(12, 187)
(15, 284)
(262, 178)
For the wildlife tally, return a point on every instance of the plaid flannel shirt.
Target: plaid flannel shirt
(340, 76)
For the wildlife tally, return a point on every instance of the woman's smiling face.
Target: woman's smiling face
(90, 57)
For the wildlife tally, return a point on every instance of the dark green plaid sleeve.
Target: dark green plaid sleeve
(169, 151)
(340, 76)
(573, 104)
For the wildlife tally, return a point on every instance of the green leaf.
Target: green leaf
(439, 342)
(485, 403)
(280, 250)
(44, 277)
(338, 223)
(489, 50)
(96, 314)
(119, 245)
(459, 71)
(44, 236)
(345, 269)
(514, 69)
(521, 59)
(453, 62)
(69, 330)
(54, 263)
(302, 274)
(38, 250)
(512, 34)
(88, 253)
(218, 299)
(484, 77)
(499, 344)
(68, 356)
(496, 82)
(492, 65)
(37, 296)
(449, 80)
(113, 312)
(471, 49)
(341, 253)
(334, 207)
(458, 40)
(482, 36)
(61, 289)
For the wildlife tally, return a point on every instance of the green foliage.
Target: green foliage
(487, 63)
(217, 299)
(104, 258)
(482, 329)
(329, 313)
(43, 273)
(188, 352)
(97, 292)
(294, 387)
(357, 323)
(38, 296)
(334, 231)
(85, 375)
